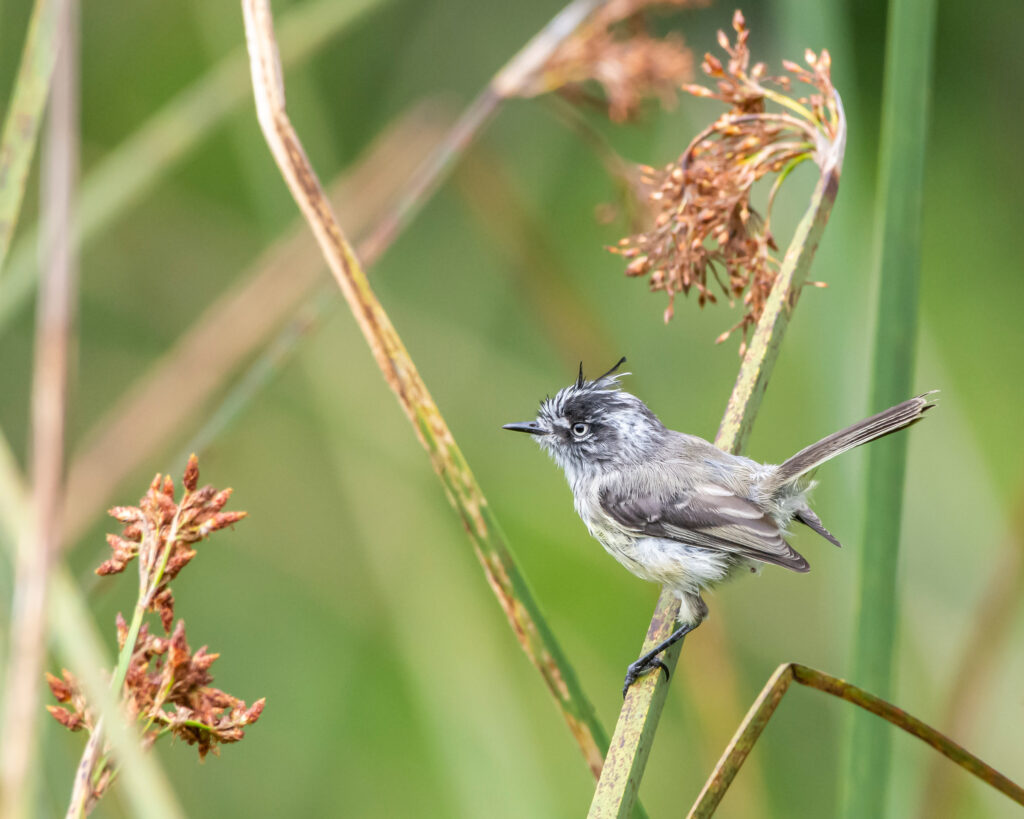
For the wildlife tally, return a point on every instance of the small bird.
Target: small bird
(673, 508)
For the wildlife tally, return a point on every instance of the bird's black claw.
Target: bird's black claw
(638, 669)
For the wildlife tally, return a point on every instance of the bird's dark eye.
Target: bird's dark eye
(579, 430)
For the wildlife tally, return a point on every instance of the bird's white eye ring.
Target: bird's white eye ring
(579, 430)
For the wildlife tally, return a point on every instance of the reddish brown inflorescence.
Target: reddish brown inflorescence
(167, 687)
(65, 690)
(706, 235)
(161, 533)
(615, 50)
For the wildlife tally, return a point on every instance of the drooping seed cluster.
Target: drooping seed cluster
(161, 532)
(166, 686)
(706, 235)
(615, 50)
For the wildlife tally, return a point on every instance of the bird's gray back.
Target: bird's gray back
(692, 494)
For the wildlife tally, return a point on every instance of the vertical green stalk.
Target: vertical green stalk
(25, 112)
(80, 646)
(617, 788)
(901, 174)
(54, 335)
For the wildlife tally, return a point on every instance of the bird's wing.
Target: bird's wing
(708, 516)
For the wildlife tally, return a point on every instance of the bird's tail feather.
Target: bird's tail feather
(877, 426)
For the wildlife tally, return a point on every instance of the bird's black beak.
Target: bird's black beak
(527, 426)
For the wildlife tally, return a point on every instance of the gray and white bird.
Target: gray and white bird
(673, 508)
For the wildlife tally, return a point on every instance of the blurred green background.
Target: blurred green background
(350, 597)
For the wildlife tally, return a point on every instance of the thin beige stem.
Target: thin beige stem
(991, 627)
(518, 73)
(54, 322)
(82, 796)
(238, 322)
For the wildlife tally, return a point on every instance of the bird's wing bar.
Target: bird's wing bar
(708, 516)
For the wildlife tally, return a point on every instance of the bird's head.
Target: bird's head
(594, 423)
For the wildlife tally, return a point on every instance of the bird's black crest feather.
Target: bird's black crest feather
(618, 364)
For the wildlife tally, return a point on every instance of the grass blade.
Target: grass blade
(21, 125)
(54, 336)
(901, 177)
(402, 376)
(80, 646)
(634, 733)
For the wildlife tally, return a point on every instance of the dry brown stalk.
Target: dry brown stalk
(402, 376)
(39, 540)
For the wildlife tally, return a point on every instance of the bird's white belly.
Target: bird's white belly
(685, 569)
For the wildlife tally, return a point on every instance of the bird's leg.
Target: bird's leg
(650, 660)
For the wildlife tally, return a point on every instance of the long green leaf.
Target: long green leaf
(21, 125)
(898, 233)
(54, 336)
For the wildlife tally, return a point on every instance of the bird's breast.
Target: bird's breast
(671, 563)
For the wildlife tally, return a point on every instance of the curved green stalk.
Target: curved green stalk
(617, 788)
(768, 700)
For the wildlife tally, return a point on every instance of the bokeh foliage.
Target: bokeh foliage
(350, 598)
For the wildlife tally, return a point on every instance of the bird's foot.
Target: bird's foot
(652, 659)
(639, 668)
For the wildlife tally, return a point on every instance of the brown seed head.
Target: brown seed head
(705, 234)
(615, 51)
(160, 531)
(166, 687)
